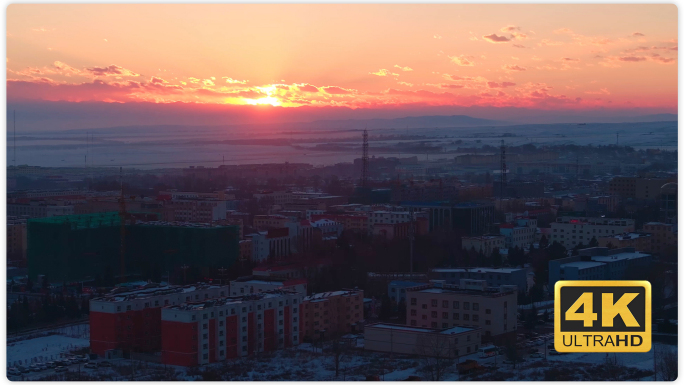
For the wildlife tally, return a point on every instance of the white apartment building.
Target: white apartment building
(520, 232)
(571, 231)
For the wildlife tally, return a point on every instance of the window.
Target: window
(456, 305)
(205, 326)
(434, 314)
(468, 338)
(466, 317)
(205, 356)
(445, 315)
(476, 317)
(476, 306)
(205, 336)
(205, 316)
(445, 325)
(488, 311)
(205, 346)
(456, 318)
(488, 322)
(413, 322)
(466, 305)
(434, 325)
(445, 304)
(424, 306)
(413, 312)
(434, 303)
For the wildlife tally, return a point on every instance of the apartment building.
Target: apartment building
(255, 285)
(636, 240)
(331, 313)
(484, 243)
(274, 243)
(445, 343)
(203, 332)
(356, 222)
(130, 320)
(519, 233)
(470, 304)
(637, 187)
(265, 222)
(663, 235)
(494, 277)
(38, 210)
(16, 238)
(196, 210)
(570, 231)
(598, 263)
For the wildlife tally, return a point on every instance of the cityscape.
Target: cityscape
(333, 218)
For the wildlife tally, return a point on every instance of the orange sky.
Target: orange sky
(359, 56)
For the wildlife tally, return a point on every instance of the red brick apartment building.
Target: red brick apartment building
(331, 313)
(203, 332)
(131, 320)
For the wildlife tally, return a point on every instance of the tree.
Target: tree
(593, 242)
(543, 242)
(666, 363)
(512, 352)
(531, 319)
(495, 258)
(435, 353)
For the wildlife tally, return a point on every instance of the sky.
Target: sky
(265, 62)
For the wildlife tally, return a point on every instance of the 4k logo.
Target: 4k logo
(602, 316)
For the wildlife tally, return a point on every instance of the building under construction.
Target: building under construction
(83, 247)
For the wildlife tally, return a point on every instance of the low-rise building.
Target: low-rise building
(571, 231)
(520, 233)
(396, 290)
(494, 277)
(598, 263)
(637, 240)
(484, 243)
(663, 235)
(332, 313)
(256, 285)
(470, 304)
(445, 343)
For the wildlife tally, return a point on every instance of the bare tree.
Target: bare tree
(666, 364)
(435, 352)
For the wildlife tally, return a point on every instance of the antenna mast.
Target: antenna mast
(122, 216)
(503, 168)
(364, 160)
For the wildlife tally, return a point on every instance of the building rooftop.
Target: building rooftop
(405, 283)
(329, 294)
(476, 270)
(454, 330)
(201, 305)
(126, 294)
(619, 257)
(583, 264)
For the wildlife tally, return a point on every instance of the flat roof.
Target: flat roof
(618, 257)
(583, 265)
(453, 330)
(406, 283)
(475, 270)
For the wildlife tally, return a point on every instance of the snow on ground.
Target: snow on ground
(42, 349)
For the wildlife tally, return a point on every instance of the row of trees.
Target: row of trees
(27, 312)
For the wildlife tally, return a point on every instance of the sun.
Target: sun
(272, 100)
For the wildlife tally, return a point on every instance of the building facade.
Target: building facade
(445, 343)
(331, 313)
(571, 231)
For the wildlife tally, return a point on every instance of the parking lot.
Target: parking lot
(68, 364)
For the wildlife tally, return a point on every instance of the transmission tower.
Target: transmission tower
(503, 168)
(364, 160)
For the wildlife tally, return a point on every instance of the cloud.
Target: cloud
(383, 72)
(307, 88)
(494, 38)
(632, 58)
(547, 42)
(563, 31)
(42, 29)
(513, 67)
(405, 84)
(233, 81)
(510, 28)
(436, 37)
(337, 90)
(208, 82)
(67, 69)
(602, 91)
(500, 85)
(112, 70)
(519, 46)
(462, 60)
(405, 69)
(156, 80)
(451, 86)
(637, 34)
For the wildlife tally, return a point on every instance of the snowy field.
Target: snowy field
(306, 363)
(42, 349)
